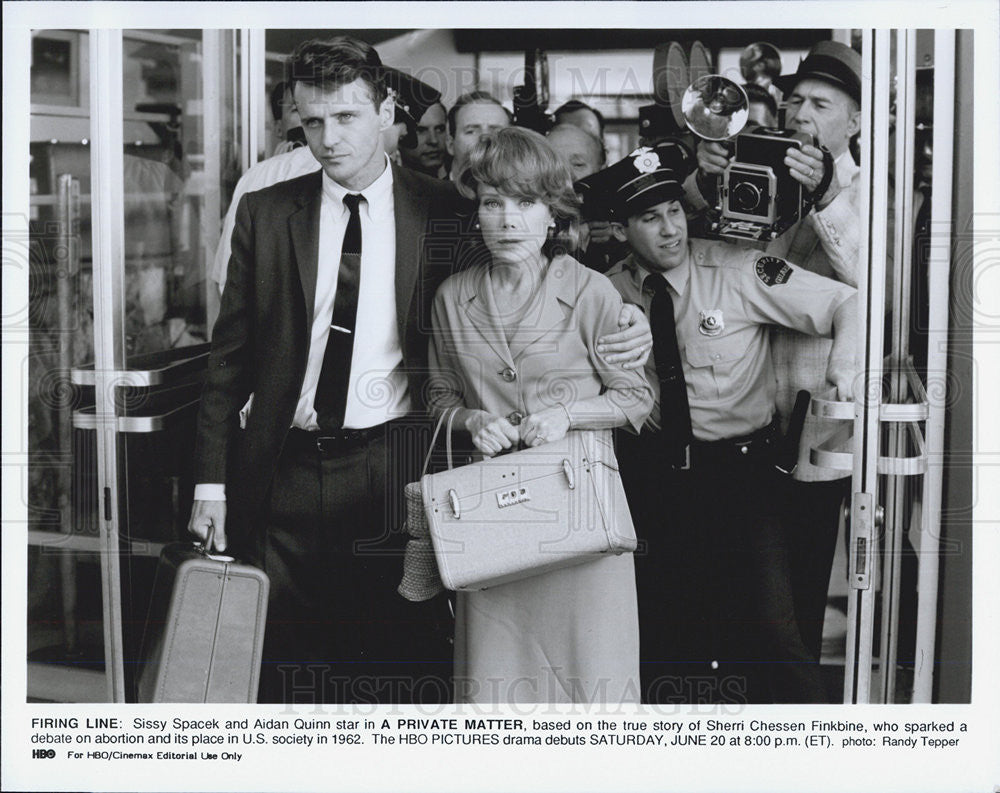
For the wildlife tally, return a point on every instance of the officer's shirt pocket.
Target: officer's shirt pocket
(714, 365)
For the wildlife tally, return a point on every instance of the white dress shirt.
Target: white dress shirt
(378, 388)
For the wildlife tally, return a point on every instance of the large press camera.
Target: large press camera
(758, 199)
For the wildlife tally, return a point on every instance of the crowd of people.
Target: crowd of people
(413, 258)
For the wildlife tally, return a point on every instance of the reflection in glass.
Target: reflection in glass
(65, 631)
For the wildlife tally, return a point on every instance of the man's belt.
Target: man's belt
(734, 450)
(756, 446)
(331, 443)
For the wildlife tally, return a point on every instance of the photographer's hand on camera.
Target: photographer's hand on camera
(713, 157)
(808, 166)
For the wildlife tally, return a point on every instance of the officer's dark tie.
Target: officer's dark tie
(331, 390)
(675, 415)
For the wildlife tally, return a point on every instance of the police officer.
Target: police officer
(716, 618)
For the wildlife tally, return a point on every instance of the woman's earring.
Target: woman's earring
(476, 225)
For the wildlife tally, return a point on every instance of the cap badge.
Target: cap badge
(710, 322)
(645, 160)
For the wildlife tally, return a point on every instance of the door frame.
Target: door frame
(867, 511)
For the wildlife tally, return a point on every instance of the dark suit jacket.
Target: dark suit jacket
(261, 338)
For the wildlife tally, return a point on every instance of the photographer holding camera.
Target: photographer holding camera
(823, 100)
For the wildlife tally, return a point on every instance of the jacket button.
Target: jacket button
(509, 375)
(744, 449)
(515, 418)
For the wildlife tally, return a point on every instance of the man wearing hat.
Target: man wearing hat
(428, 155)
(716, 621)
(823, 99)
(412, 99)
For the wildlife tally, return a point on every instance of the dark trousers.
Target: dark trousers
(337, 630)
(811, 517)
(716, 616)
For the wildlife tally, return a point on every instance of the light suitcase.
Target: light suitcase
(205, 629)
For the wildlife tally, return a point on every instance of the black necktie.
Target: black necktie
(675, 415)
(331, 390)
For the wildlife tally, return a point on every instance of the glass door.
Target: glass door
(151, 170)
(65, 641)
(898, 431)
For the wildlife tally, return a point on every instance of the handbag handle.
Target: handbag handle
(449, 416)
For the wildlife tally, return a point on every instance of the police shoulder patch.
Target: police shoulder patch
(772, 270)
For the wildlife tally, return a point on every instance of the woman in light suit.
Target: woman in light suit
(515, 348)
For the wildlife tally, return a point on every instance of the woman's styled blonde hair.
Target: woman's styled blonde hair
(519, 162)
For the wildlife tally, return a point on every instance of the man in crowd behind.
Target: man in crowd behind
(474, 115)
(287, 126)
(585, 155)
(583, 152)
(763, 109)
(428, 155)
(581, 115)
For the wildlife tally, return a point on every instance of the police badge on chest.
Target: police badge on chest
(710, 322)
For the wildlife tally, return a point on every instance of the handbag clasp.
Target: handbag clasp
(453, 500)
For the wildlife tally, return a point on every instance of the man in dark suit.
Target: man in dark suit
(308, 490)
(312, 416)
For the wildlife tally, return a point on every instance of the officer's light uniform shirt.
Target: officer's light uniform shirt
(725, 299)
(826, 241)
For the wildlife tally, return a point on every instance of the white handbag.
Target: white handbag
(527, 512)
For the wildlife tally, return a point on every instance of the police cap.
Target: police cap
(412, 98)
(648, 176)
